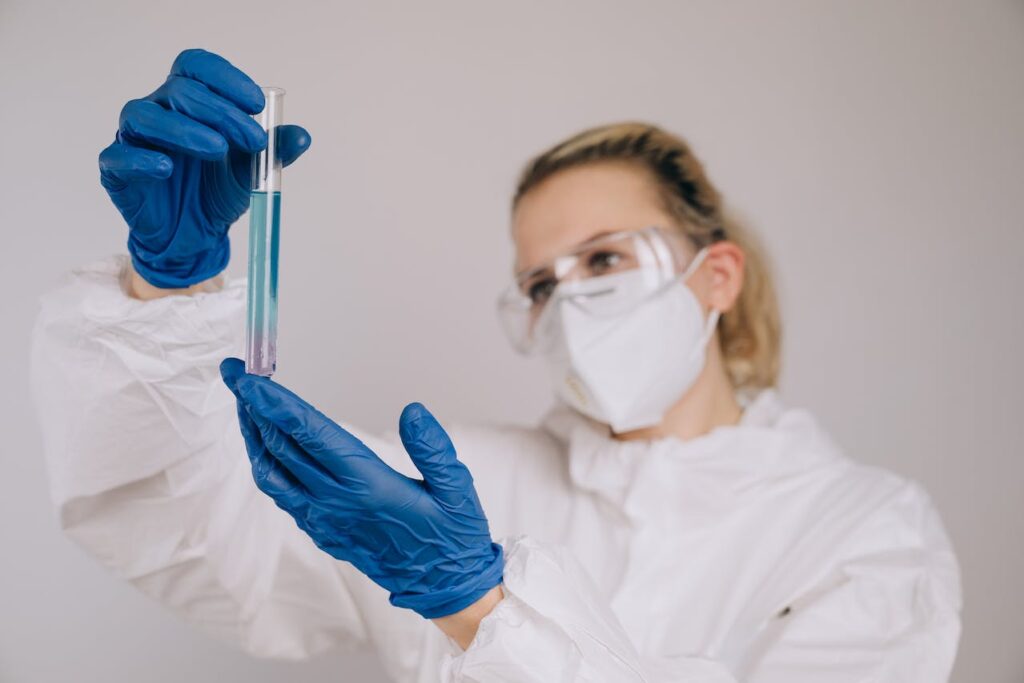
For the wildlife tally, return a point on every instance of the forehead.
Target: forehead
(579, 203)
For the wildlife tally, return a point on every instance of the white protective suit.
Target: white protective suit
(755, 553)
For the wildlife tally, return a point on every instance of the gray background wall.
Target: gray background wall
(878, 146)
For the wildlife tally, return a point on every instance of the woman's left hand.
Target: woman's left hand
(426, 541)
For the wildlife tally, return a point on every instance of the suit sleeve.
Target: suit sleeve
(149, 474)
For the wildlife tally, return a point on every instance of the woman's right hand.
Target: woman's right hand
(179, 167)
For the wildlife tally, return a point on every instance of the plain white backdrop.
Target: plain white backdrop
(876, 146)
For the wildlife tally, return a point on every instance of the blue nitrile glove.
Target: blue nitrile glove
(426, 541)
(180, 165)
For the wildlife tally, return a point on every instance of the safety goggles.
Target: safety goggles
(605, 276)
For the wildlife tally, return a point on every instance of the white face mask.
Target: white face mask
(628, 369)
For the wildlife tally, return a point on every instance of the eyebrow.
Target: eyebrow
(598, 236)
(593, 238)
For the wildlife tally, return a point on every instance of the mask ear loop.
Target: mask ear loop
(715, 314)
(694, 264)
(709, 331)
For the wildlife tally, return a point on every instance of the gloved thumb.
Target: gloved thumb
(292, 141)
(434, 455)
(230, 370)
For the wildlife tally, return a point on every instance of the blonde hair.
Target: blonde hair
(749, 333)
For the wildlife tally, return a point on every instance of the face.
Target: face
(582, 203)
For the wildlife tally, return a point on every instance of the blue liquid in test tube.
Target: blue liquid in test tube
(264, 241)
(264, 238)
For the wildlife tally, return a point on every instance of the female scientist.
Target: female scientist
(669, 520)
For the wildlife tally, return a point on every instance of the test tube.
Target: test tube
(264, 239)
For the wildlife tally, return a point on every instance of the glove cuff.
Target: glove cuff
(168, 271)
(451, 600)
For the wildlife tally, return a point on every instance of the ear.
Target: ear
(722, 275)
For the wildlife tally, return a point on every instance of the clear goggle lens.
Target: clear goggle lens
(605, 276)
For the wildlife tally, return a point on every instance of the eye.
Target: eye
(603, 261)
(539, 291)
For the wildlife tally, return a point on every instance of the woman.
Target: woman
(669, 520)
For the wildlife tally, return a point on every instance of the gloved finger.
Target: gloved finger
(121, 163)
(269, 475)
(305, 469)
(148, 123)
(292, 141)
(433, 454)
(220, 76)
(198, 102)
(335, 449)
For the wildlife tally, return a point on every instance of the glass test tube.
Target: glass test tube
(264, 238)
